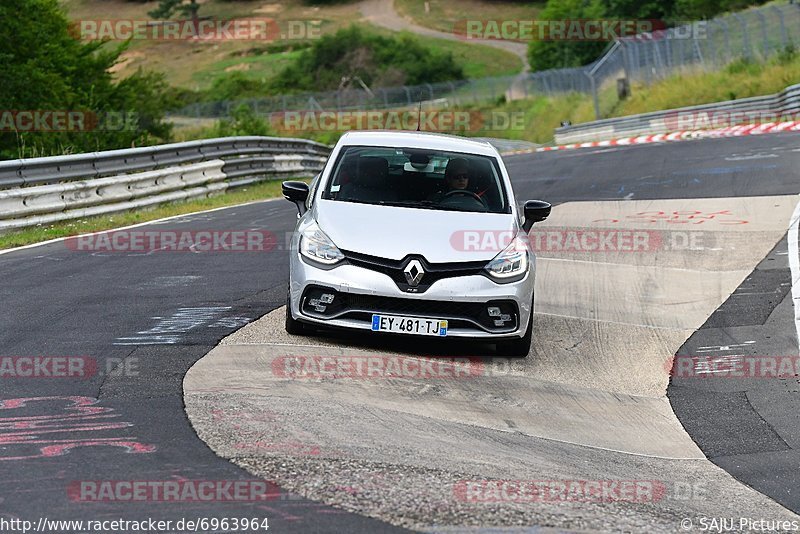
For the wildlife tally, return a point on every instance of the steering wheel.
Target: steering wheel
(463, 192)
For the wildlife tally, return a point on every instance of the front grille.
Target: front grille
(433, 271)
(361, 307)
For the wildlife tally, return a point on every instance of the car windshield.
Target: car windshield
(417, 178)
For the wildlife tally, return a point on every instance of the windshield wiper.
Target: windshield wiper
(426, 204)
(408, 203)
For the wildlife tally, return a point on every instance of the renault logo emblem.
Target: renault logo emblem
(414, 272)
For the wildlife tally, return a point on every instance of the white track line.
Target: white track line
(794, 265)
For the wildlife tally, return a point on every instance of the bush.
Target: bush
(235, 85)
(376, 59)
(243, 121)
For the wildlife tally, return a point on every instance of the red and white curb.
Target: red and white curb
(730, 131)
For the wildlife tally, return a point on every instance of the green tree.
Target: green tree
(44, 68)
(559, 53)
(659, 10)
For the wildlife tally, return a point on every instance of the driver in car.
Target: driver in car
(456, 177)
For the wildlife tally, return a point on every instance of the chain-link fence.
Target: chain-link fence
(755, 34)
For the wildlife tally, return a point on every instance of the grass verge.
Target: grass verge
(478, 61)
(37, 234)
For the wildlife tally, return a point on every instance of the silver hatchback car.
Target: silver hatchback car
(415, 234)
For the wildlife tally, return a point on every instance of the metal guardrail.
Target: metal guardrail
(44, 190)
(787, 102)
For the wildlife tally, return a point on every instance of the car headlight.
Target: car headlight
(317, 246)
(511, 264)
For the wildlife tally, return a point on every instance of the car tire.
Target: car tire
(518, 348)
(293, 326)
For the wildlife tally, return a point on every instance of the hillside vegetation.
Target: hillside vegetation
(740, 79)
(450, 16)
(542, 115)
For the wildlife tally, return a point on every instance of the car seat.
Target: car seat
(370, 183)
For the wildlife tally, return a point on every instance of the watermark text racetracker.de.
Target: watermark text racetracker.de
(734, 366)
(65, 120)
(205, 29)
(151, 241)
(179, 491)
(429, 121)
(577, 240)
(376, 367)
(491, 491)
(574, 29)
(65, 366)
(724, 118)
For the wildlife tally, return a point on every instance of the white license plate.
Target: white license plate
(409, 325)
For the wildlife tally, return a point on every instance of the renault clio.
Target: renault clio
(416, 234)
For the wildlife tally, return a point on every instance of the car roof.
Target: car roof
(434, 141)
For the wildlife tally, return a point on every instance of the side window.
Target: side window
(312, 190)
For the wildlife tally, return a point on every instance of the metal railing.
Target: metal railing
(45, 190)
(755, 33)
(784, 105)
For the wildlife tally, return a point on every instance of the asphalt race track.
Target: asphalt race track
(589, 402)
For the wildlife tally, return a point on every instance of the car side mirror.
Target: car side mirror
(296, 192)
(535, 211)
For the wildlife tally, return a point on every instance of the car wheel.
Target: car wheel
(518, 348)
(293, 326)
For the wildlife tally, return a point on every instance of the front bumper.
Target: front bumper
(359, 292)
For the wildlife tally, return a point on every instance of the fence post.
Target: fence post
(430, 90)
(763, 20)
(594, 95)
(698, 51)
(745, 36)
(636, 49)
(451, 98)
(624, 52)
(712, 53)
(783, 25)
(727, 35)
